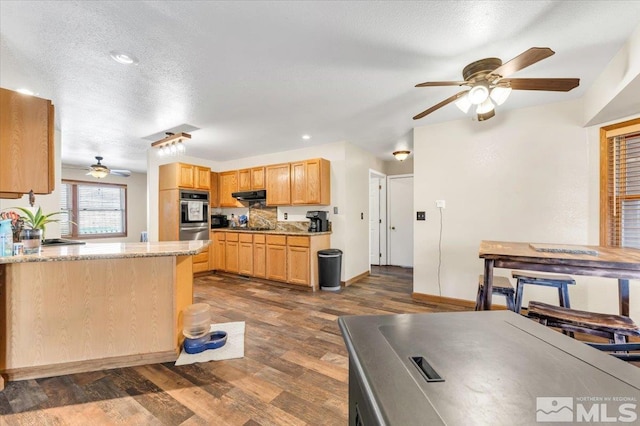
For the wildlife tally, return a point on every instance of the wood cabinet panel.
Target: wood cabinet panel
(311, 182)
(298, 183)
(201, 261)
(259, 238)
(276, 239)
(298, 241)
(231, 257)
(219, 254)
(168, 215)
(244, 180)
(228, 183)
(214, 190)
(245, 258)
(278, 184)
(203, 177)
(259, 260)
(26, 144)
(182, 175)
(276, 262)
(257, 178)
(298, 265)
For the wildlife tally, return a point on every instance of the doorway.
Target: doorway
(400, 220)
(377, 218)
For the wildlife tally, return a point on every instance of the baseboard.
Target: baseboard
(51, 370)
(430, 298)
(355, 279)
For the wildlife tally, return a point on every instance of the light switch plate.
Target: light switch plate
(335, 210)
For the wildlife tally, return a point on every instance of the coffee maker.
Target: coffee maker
(318, 221)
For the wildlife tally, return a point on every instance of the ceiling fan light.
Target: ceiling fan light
(99, 172)
(463, 103)
(478, 94)
(485, 107)
(500, 94)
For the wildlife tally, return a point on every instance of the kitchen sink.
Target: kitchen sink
(60, 242)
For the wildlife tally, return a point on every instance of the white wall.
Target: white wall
(136, 201)
(529, 175)
(395, 167)
(349, 193)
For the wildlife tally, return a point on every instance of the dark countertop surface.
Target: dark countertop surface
(495, 365)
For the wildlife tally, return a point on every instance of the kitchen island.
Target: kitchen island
(89, 307)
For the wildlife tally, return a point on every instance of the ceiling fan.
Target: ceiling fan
(99, 170)
(487, 83)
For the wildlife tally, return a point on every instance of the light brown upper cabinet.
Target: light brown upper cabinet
(26, 145)
(311, 182)
(181, 175)
(228, 184)
(278, 184)
(251, 179)
(202, 177)
(214, 190)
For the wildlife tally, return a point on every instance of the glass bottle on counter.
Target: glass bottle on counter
(232, 222)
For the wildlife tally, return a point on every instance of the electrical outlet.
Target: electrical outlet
(286, 216)
(335, 210)
(440, 204)
(421, 216)
(361, 215)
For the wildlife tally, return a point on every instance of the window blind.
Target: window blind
(623, 191)
(97, 209)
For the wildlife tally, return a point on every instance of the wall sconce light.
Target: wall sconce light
(401, 155)
(172, 144)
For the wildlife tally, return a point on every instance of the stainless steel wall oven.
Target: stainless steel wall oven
(194, 215)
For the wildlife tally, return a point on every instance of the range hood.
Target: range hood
(250, 195)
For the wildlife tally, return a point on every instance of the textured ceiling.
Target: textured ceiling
(255, 76)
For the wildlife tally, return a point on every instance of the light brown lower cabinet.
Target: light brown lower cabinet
(291, 259)
(298, 260)
(259, 256)
(218, 251)
(231, 253)
(245, 255)
(277, 257)
(201, 261)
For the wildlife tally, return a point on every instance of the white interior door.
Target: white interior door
(374, 220)
(400, 220)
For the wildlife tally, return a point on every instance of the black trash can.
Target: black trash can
(329, 266)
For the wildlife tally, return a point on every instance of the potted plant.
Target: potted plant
(34, 225)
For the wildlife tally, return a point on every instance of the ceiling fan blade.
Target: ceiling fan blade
(124, 173)
(550, 84)
(440, 105)
(441, 83)
(528, 57)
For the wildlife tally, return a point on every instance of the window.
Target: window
(620, 185)
(93, 210)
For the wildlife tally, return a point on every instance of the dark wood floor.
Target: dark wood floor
(294, 371)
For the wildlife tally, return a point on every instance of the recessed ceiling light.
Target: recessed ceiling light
(306, 137)
(123, 57)
(25, 92)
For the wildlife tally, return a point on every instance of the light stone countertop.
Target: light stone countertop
(271, 232)
(91, 251)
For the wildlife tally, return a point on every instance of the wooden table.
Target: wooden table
(494, 366)
(609, 262)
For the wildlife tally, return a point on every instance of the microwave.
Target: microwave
(219, 221)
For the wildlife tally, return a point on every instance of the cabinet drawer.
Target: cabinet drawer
(298, 241)
(219, 236)
(232, 236)
(200, 267)
(277, 240)
(258, 238)
(201, 257)
(246, 238)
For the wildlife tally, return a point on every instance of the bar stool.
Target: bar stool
(501, 286)
(616, 328)
(560, 282)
